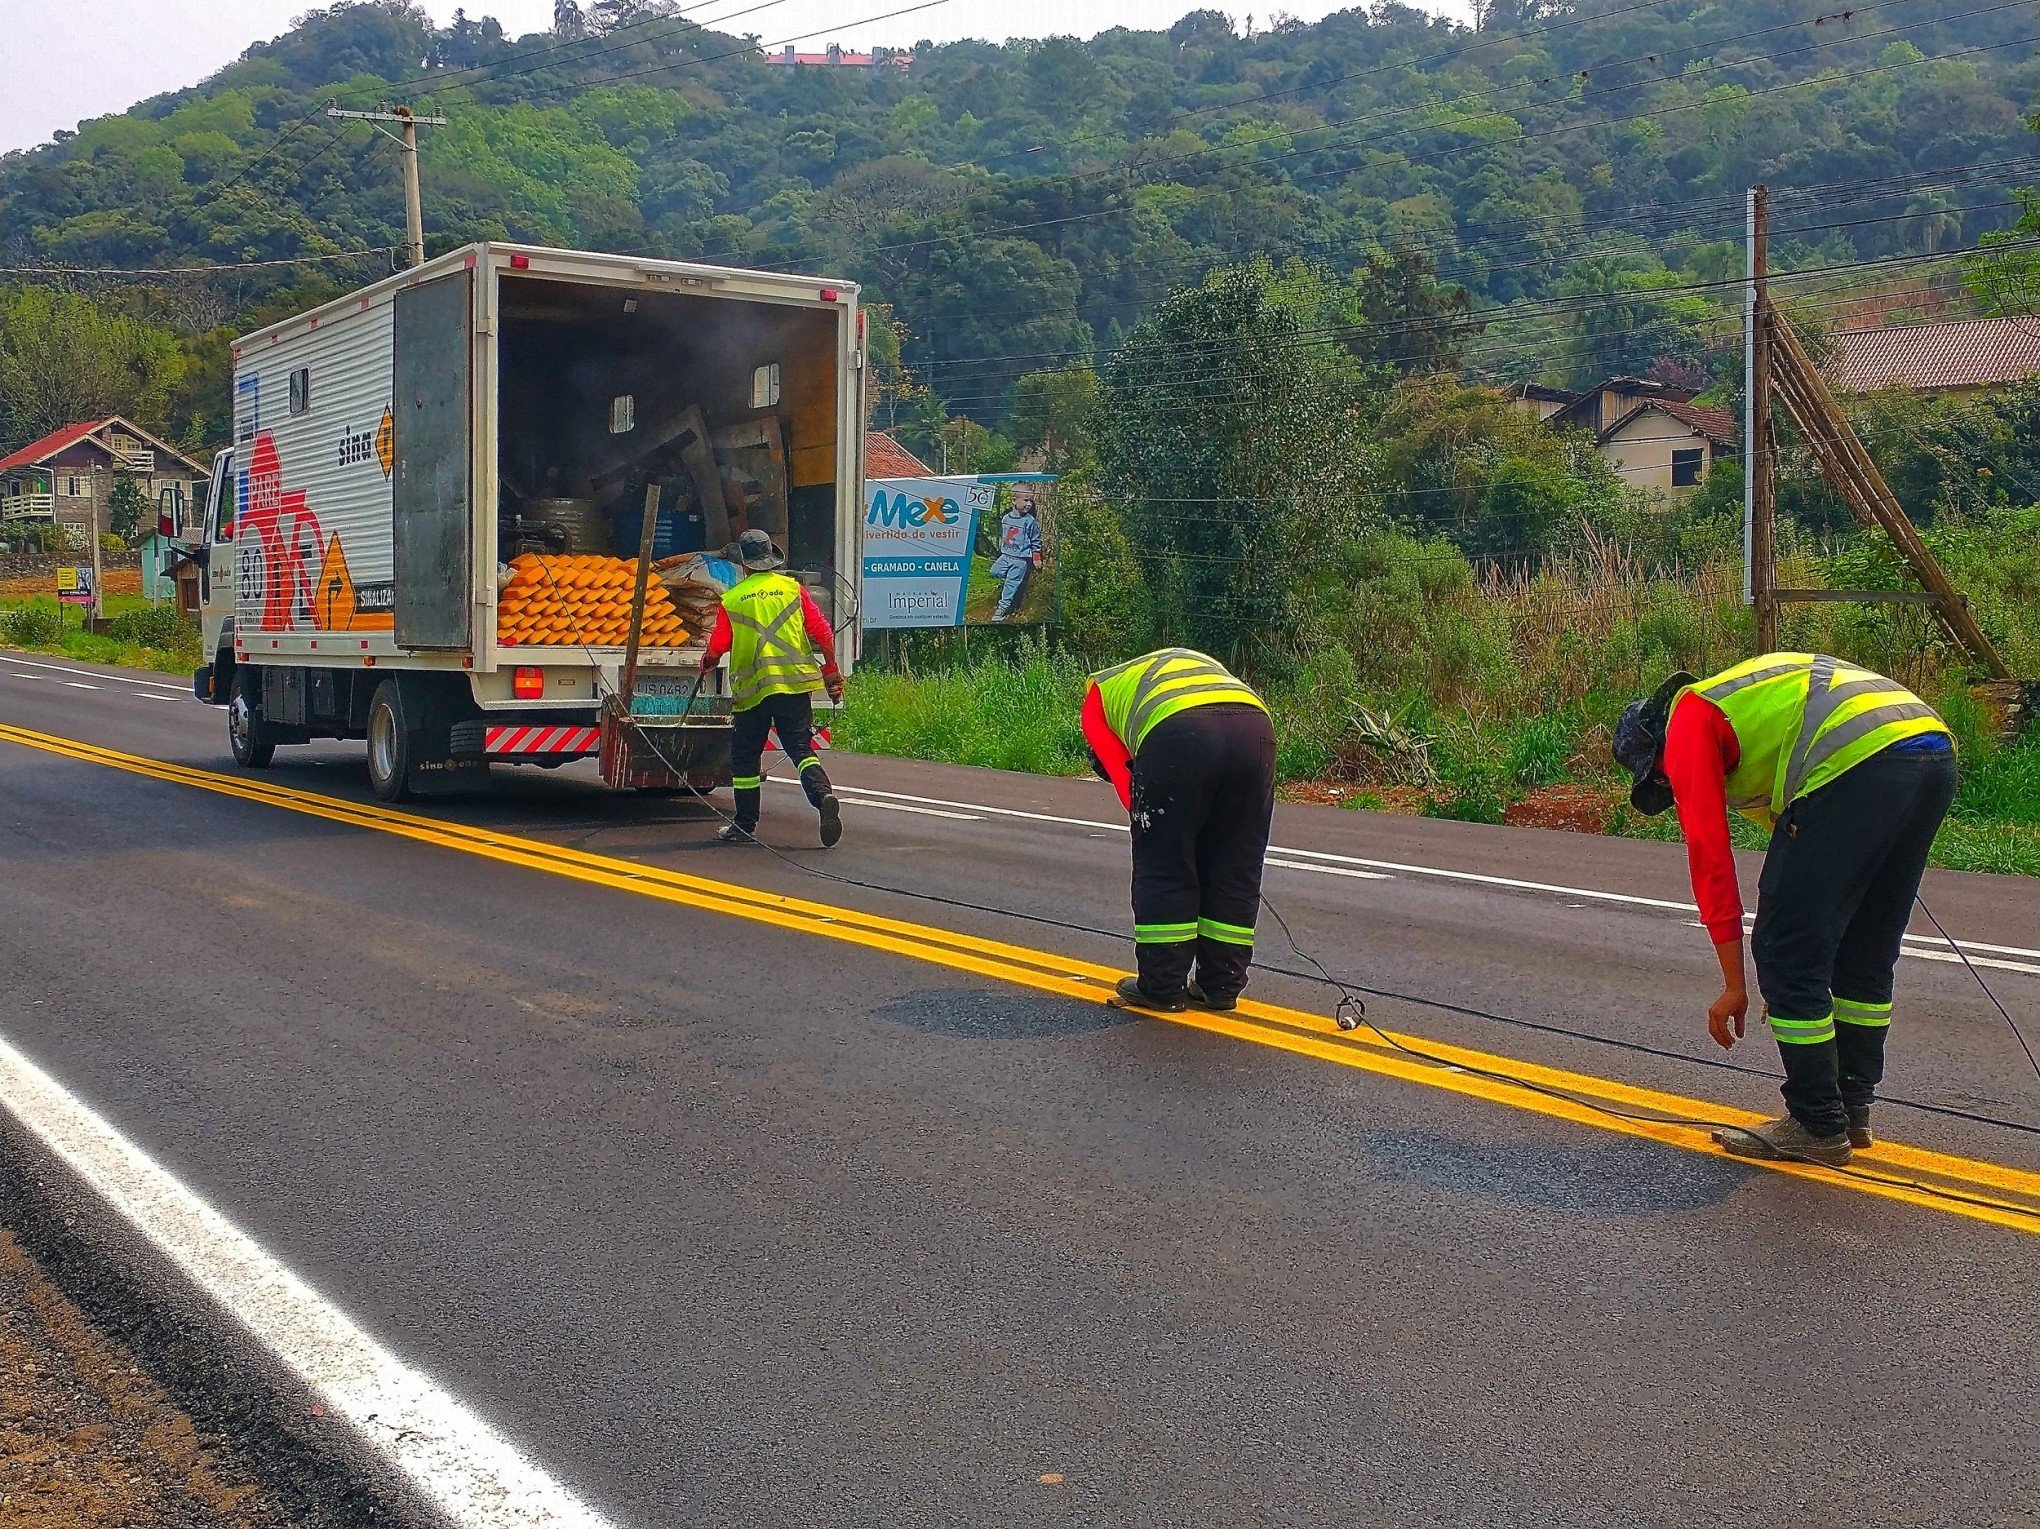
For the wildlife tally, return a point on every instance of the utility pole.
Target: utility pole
(1760, 483)
(410, 122)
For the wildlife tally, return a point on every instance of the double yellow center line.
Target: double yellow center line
(1959, 1186)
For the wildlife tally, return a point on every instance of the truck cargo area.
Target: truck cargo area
(728, 407)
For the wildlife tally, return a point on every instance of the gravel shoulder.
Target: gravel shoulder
(88, 1440)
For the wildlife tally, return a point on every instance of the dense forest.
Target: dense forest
(1019, 207)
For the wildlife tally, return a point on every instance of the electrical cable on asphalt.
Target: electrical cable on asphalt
(1351, 1010)
(2017, 1034)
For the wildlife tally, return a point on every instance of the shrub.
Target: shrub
(1539, 753)
(152, 626)
(32, 626)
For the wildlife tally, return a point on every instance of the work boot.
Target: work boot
(1787, 1141)
(1199, 999)
(1129, 995)
(1859, 1127)
(730, 833)
(832, 820)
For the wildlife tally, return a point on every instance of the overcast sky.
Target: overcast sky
(69, 60)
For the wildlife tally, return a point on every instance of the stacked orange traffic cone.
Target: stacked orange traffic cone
(581, 601)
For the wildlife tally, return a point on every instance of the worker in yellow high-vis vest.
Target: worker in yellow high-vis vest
(1852, 773)
(1191, 751)
(782, 651)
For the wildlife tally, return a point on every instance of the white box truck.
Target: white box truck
(426, 530)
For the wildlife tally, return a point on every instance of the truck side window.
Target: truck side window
(301, 390)
(765, 386)
(623, 414)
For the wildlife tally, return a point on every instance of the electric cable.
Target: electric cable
(1351, 1012)
(2003, 1013)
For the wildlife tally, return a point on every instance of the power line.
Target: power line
(1815, 79)
(214, 269)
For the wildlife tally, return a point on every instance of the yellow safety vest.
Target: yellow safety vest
(769, 649)
(1801, 719)
(1148, 690)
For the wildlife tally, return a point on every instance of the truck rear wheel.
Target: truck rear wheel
(247, 734)
(392, 746)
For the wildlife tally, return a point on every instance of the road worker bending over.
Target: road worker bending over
(1192, 752)
(1852, 773)
(781, 652)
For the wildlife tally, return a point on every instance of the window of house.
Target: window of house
(1687, 467)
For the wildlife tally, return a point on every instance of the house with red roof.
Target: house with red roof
(885, 457)
(1965, 356)
(1651, 433)
(67, 477)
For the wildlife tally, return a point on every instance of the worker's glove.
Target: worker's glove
(833, 683)
(707, 663)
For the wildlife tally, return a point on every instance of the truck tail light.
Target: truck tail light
(527, 683)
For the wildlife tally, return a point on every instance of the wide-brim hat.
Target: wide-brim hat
(757, 551)
(1639, 745)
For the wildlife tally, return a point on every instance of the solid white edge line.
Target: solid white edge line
(124, 679)
(1476, 877)
(1330, 870)
(458, 1463)
(854, 801)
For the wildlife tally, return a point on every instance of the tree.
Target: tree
(65, 358)
(1054, 413)
(1405, 318)
(1230, 436)
(1626, 318)
(125, 506)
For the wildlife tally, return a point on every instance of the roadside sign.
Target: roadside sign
(74, 585)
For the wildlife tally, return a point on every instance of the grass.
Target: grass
(1017, 713)
(143, 636)
(1460, 696)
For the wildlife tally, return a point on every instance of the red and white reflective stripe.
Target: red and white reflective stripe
(542, 740)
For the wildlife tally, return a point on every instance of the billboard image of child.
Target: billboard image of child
(1011, 580)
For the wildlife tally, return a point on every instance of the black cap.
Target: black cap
(1639, 745)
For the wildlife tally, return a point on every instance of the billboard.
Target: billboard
(918, 535)
(953, 551)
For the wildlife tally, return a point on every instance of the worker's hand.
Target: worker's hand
(707, 663)
(1728, 1010)
(833, 683)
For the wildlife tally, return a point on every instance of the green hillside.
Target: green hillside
(1024, 203)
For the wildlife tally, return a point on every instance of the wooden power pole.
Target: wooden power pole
(409, 122)
(1776, 365)
(1760, 482)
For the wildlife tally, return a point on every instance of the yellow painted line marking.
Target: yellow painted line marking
(1995, 1193)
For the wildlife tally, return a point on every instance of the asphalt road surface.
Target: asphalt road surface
(731, 1211)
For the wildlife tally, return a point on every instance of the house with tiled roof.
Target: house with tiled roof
(836, 56)
(885, 457)
(67, 477)
(1651, 433)
(1959, 357)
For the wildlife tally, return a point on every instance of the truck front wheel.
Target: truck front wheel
(392, 747)
(247, 733)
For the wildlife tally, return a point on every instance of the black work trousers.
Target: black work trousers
(794, 717)
(1203, 802)
(1833, 902)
